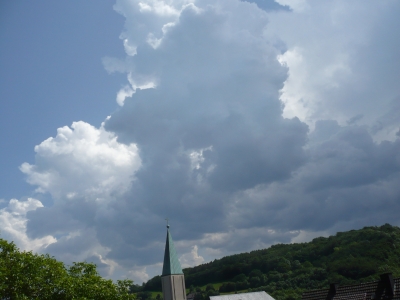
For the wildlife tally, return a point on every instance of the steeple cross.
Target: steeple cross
(167, 222)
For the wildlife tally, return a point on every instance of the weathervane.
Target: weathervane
(167, 222)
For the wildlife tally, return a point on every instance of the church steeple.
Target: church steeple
(171, 263)
(172, 278)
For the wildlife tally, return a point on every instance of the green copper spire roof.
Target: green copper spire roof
(171, 263)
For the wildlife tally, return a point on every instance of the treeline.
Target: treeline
(25, 275)
(285, 271)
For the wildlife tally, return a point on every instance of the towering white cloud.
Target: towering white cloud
(211, 127)
(213, 132)
(218, 88)
(343, 60)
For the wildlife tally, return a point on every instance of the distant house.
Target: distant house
(385, 288)
(190, 296)
(244, 296)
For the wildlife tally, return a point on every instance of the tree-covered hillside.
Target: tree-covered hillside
(286, 270)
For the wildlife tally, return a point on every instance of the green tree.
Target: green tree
(25, 275)
(240, 278)
(210, 287)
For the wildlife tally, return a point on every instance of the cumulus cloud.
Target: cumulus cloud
(191, 259)
(257, 162)
(348, 182)
(85, 170)
(124, 92)
(140, 274)
(134, 84)
(341, 66)
(213, 131)
(82, 161)
(13, 220)
(212, 126)
(296, 5)
(269, 5)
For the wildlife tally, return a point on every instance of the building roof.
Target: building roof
(244, 296)
(171, 263)
(386, 288)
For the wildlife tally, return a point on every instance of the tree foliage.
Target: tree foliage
(25, 275)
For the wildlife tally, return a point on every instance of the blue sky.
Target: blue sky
(245, 123)
(52, 74)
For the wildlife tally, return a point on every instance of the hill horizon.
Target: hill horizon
(348, 257)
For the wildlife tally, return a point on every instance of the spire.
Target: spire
(171, 263)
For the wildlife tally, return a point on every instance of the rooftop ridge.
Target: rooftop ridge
(386, 288)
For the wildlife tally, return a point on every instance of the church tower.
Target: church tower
(172, 278)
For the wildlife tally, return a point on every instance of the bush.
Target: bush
(227, 287)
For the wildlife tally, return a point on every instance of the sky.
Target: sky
(245, 123)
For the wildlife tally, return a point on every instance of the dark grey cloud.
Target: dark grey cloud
(216, 155)
(53, 220)
(347, 179)
(390, 119)
(217, 93)
(354, 119)
(350, 158)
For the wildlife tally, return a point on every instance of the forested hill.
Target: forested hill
(345, 258)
